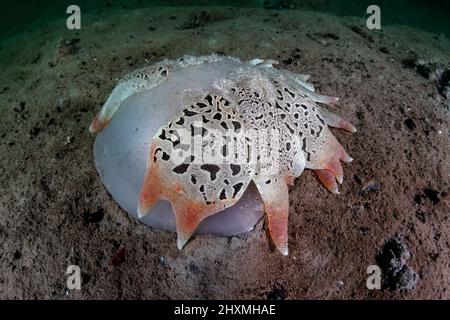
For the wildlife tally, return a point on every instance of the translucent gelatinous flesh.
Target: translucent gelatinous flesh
(121, 152)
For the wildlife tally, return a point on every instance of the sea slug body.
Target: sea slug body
(227, 125)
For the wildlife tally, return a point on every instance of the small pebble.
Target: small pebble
(364, 230)
(371, 185)
(69, 140)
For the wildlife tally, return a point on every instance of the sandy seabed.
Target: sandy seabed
(393, 209)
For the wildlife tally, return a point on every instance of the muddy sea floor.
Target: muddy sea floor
(393, 209)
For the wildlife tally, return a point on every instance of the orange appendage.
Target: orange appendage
(147, 198)
(289, 180)
(150, 191)
(328, 180)
(98, 124)
(188, 215)
(278, 226)
(334, 166)
(339, 152)
(331, 100)
(330, 160)
(343, 124)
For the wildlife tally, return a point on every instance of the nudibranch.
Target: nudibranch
(210, 144)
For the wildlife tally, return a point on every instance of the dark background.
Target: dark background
(429, 15)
